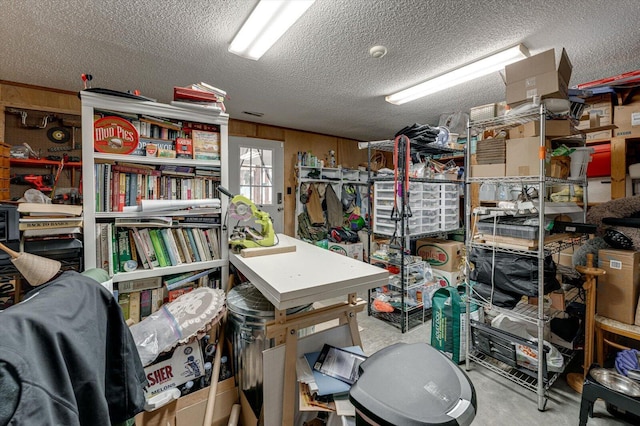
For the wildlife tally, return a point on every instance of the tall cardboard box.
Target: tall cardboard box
(538, 75)
(627, 118)
(444, 255)
(618, 288)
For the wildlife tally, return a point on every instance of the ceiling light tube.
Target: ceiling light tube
(479, 68)
(267, 23)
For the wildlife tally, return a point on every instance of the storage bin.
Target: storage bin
(449, 203)
(431, 212)
(384, 186)
(383, 229)
(430, 203)
(580, 159)
(600, 165)
(508, 227)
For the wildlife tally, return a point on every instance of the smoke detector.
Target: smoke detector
(377, 52)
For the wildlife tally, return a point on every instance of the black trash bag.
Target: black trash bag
(502, 299)
(512, 272)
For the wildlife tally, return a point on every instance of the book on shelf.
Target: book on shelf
(159, 248)
(134, 306)
(112, 248)
(206, 145)
(49, 210)
(145, 236)
(174, 294)
(145, 304)
(184, 279)
(202, 250)
(139, 284)
(25, 223)
(175, 234)
(43, 232)
(192, 244)
(186, 245)
(124, 250)
(140, 248)
(141, 149)
(150, 221)
(184, 148)
(170, 244)
(156, 299)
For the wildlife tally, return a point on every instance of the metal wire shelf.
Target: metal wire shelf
(412, 318)
(524, 311)
(549, 248)
(532, 180)
(523, 377)
(416, 148)
(505, 121)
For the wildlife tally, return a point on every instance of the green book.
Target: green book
(124, 249)
(158, 247)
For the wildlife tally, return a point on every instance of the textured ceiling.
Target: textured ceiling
(318, 76)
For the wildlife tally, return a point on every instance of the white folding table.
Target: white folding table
(308, 274)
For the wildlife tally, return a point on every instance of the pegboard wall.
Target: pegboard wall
(50, 135)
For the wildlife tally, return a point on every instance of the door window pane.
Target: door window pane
(256, 169)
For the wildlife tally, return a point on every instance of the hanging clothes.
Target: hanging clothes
(314, 207)
(335, 216)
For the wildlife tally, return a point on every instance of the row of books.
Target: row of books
(44, 220)
(127, 249)
(119, 186)
(140, 298)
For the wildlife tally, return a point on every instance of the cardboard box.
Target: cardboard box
(522, 157)
(190, 409)
(552, 128)
(487, 170)
(185, 364)
(441, 254)
(538, 75)
(353, 250)
(618, 288)
(627, 118)
(446, 278)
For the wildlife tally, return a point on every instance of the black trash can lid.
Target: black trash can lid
(413, 384)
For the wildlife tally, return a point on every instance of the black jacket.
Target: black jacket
(72, 355)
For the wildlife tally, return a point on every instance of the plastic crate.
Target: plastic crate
(508, 227)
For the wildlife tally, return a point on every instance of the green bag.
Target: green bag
(448, 322)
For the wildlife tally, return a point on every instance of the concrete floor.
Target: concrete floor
(500, 402)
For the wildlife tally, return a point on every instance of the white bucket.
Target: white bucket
(580, 159)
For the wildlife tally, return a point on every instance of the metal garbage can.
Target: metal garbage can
(248, 313)
(412, 384)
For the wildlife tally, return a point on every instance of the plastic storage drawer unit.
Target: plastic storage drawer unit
(412, 384)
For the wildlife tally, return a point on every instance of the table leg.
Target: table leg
(289, 394)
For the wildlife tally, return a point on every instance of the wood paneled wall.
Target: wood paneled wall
(19, 95)
(347, 155)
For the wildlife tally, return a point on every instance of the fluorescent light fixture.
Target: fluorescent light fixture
(266, 24)
(479, 68)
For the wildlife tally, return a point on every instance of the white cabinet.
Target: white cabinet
(165, 178)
